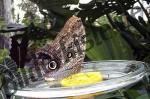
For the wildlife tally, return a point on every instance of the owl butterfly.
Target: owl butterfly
(65, 54)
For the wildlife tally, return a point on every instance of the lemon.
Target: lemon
(82, 79)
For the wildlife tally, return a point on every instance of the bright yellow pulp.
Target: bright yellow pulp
(82, 79)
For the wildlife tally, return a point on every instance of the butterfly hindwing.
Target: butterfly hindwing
(66, 52)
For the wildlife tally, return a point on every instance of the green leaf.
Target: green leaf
(107, 44)
(145, 96)
(3, 54)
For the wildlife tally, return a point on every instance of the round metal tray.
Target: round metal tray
(117, 75)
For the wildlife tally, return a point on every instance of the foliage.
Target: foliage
(136, 32)
(3, 54)
(108, 43)
(36, 20)
(4, 48)
(2, 22)
(105, 43)
(56, 6)
(87, 9)
(28, 6)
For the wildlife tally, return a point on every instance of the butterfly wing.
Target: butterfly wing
(66, 53)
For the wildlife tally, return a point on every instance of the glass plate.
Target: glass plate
(117, 74)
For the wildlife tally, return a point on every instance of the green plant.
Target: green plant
(105, 43)
(2, 22)
(3, 54)
(136, 32)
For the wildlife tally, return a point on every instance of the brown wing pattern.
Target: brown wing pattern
(66, 53)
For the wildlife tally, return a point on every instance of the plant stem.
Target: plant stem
(145, 11)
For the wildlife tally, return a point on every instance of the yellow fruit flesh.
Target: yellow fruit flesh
(82, 79)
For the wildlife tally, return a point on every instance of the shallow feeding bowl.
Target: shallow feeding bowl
(116, 74)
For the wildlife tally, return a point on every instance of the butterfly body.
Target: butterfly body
(65, 54)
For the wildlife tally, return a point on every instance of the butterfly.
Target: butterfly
(65, 54)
